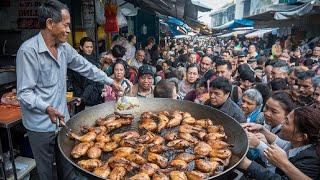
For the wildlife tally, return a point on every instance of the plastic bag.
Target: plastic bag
(101, 19)
(10, 99)
(122, 21)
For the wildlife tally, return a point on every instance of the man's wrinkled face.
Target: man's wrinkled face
(277, 73)
(60, 30)
(140, 56)
(209, 51)
(205, 64)
(218, 97)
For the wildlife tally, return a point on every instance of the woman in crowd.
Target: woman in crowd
(119, 70)
(296, 153)
(189, 83)
(251, 105)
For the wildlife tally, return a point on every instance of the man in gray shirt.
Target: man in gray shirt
(42, 63)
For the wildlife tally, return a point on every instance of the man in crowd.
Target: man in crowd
(144, 87)
(280, 69)
(138, 60)
(306, 88)
(220, 90)
(42, 63)
(206, 64)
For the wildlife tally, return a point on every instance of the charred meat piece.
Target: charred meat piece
(204, 123)
(185, 128)
(215, 136)
(218, 144)
(147, 138)
(220, 153)
(128, 165)
(188, 137)
(148, 124)
(179, 144)
(170, 136)
(125, 135)
(149, 168)
(110, 146)
(159, 148)
(81, 149)
(206, 166)
(176, 119)
(102, 137)
(163, 121)
(96, 129)
(178, 175)
(140, 176)
(159, 176)
(123, 151)
(179, 164)
(215, 129)
(136, 158)
(189, 121)
(102, 171)
(90, 164)
(202, 149)
(117, 173)
(185, 157)
(196, 175)
(94, 152)
(147, 115)
(157, 159)
(88, 137)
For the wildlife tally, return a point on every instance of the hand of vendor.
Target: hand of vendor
(54, 114)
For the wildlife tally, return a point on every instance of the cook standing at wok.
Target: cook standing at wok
(42, 63)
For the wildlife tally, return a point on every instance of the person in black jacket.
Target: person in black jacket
(299, 155)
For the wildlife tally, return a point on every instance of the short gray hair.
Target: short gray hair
(254, 95)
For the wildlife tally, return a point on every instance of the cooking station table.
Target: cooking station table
(9, 117)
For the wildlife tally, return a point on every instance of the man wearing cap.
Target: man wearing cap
(242, 58)
(253, 63)
(144, 87)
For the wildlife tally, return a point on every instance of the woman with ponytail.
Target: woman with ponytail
(296, 153)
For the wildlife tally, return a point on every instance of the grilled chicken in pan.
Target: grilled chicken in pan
(202, 149)
(206, 166)
(185, 157)
(102, 137)
(125, 135)
(110, 146)
(178, 175)
(148, 124)
(196, 175)
(94, 152)
(88, 137)
(149, 168)
(81, 149)
(155, 154)
(163, 121)
(170, 136)
(140, 176)
(136, 158)
(159, 176)
(117, 173)
(157, 159)
(102, 171)
(90, 164)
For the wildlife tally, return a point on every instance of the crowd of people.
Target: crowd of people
(272, 87)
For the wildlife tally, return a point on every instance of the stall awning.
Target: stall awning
(235, 23)
(261, 32)
(234, 33)
(295, 12)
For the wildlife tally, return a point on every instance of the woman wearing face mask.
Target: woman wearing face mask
(298, 154)
(119, 70)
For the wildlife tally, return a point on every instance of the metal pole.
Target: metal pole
(95, 31)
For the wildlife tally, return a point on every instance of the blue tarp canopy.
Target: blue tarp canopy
(177, 26)
(235, 23)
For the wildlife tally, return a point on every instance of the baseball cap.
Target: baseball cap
(145, 69)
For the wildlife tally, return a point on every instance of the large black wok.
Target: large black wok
(235, 133)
